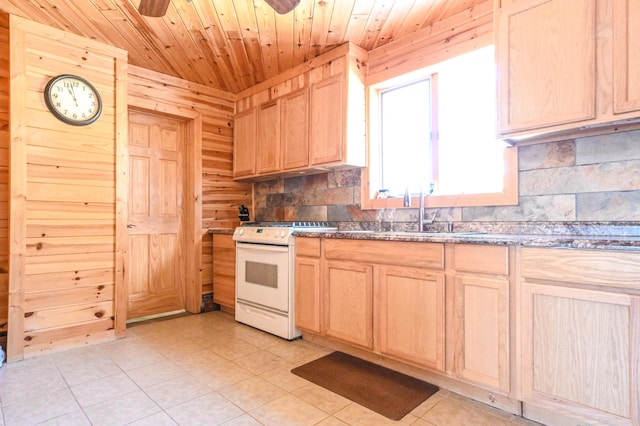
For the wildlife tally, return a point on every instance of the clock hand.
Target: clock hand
(73, 93)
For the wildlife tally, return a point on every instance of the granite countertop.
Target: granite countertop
(227, 231)
(606, 242)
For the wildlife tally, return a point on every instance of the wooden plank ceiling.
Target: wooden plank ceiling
(234, 44)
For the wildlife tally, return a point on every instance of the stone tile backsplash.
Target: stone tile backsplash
(593, 179)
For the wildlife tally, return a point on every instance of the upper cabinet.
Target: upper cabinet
(307, 120)
(626, 55)
(566, 65)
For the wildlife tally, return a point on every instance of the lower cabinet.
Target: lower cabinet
(411, 315)
(307, 284)
(224, 271)
(348, 291)
(482, 315)
(580, 334)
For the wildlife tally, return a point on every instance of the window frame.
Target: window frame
(508, 195)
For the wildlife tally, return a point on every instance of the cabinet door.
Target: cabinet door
(482, 330)
(349, 302)
(244, 144)
(295, 130)
(546, 60)
(411, 317)
(268, 150)
(224, 270)
(580, 351)
(326, 141)
(307, 293)
(626, 55)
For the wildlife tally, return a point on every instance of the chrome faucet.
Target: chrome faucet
(421, 220)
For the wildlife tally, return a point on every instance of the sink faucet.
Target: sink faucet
(421, 219)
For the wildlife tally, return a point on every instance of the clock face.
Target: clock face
(73, 99)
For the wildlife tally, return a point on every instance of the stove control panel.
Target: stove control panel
(264, 235)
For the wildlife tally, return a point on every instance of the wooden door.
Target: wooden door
(157, 267)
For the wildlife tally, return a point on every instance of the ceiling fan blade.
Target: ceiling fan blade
(153, 8)
(282, 6)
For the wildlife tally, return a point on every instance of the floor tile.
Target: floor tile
(243, 420)
(155, 374)
(357, 415)
(260, 362)
(288, 410)
(158, 419)
(454, 411)
(91, 393)
(174, 392)
(40, 409)
(252, 393)
(123, 410)
(77, 418)
(322, 398)
(28, 379)
(210, 409)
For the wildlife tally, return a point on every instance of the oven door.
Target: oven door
(262, 275)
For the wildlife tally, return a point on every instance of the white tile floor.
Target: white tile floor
(199, 370)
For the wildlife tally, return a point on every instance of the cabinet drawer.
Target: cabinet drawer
(595, 267)
(419, 255)
(481, 259)
(309, 247)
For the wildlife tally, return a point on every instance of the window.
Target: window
(436, 129)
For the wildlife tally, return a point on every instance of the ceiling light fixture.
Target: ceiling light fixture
(282, 6)
(153, 8)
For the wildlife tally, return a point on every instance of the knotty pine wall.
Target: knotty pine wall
(4, 174)
(67, 252)
(64, 258)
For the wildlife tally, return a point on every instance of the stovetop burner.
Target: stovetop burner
(296, 225)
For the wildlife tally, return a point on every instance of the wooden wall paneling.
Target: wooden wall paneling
(4, 172)
(63, 195)
(435, 44)
(121, 195)
(17, 200)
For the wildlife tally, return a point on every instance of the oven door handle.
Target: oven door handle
(262, 247)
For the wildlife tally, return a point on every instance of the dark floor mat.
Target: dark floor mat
(380, 389)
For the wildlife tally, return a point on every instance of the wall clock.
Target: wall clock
(73, 99)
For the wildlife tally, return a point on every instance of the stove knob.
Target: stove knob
(283, 233)
(241, 231)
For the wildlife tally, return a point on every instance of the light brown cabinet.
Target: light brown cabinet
(626, 55)
(482, 315)
(348, 292)
(306, 120)
(411, 315)
(566, 66)
(580, 333)
(307, 284)
(387, 297)
(547, 63)
(245, 143)
(268, 138)
(294, 132)
(224, 271)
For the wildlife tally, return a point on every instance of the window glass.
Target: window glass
(405, 127)
(437, 128)
(470, 158)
